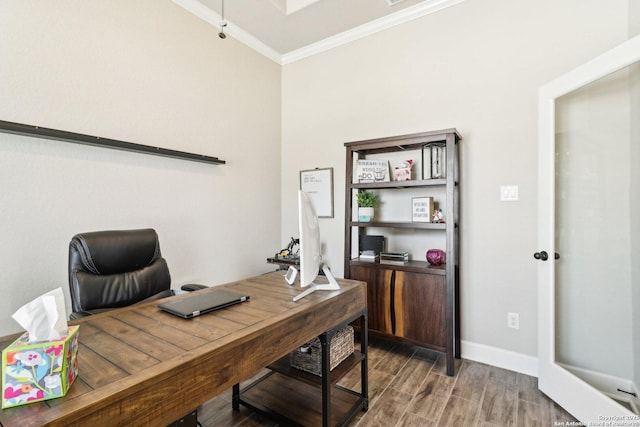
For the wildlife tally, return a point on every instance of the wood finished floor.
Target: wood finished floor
(408, 386)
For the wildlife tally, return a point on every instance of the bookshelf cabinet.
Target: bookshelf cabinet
(413, 302)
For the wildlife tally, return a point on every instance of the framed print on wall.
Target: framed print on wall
(318, 184)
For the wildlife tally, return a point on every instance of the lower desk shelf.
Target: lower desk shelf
(291, 396)
(294, 402)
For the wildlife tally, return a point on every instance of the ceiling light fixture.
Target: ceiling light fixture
(223, 24)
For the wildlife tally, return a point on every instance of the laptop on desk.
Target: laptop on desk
(202, 302)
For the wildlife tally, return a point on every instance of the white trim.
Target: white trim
(405, 15)
(296, 5)
(499, 357)
(211, 17)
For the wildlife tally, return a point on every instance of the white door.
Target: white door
(561, 228)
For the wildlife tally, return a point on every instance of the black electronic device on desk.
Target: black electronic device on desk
(288, 256)
(197, 304)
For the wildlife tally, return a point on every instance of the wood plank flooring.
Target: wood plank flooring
(408, 387)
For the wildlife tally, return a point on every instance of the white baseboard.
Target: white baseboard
(525, 364)
(499, 357)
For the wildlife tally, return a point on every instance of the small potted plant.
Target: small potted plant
(366, 202)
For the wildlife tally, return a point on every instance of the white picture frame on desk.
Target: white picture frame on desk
(318, 184)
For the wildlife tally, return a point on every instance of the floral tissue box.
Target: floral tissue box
(32, 372)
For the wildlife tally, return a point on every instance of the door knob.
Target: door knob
(542, 255)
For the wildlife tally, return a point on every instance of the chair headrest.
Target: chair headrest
(116, 251)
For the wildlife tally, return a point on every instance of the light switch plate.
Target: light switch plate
(508, 192)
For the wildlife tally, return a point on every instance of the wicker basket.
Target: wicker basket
(310, 360)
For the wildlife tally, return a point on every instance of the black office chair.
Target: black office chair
(112, 269)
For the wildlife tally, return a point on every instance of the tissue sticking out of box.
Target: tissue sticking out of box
(44, 317)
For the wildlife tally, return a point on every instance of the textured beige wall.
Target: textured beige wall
(146, 72)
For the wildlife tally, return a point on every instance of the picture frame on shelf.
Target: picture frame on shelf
(421, 209)
(372, 171)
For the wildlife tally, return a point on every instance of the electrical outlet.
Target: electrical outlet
(513, 320)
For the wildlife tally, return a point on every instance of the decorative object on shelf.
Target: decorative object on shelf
(426, 161)
(421, 209)
(372, 171)
(434, 163)
(367, 201)
(436, 257)
(318, 184)
(403, 172)
(438, 161)
(438, 216)
(394, 258)
(369, 256)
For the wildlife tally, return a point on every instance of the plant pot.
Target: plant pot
(365, 214)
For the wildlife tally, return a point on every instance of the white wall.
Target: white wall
(477, 67)
(146, 72)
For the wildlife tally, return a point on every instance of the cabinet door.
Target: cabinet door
(420, 308)
(378, 296)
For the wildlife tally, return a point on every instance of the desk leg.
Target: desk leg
(364, 370)
(326, 369)
(235, 397)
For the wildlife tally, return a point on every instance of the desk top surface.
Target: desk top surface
(140, 363)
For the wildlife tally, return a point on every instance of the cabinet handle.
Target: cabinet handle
(392, 309)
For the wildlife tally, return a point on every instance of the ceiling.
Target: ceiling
(288, 30)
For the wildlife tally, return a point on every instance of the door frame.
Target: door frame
(576, 396)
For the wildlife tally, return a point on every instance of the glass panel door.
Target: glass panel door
(594, 223)
(589, 214)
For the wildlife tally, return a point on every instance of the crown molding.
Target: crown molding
(405, 15)
(402, 16)
(211, 17)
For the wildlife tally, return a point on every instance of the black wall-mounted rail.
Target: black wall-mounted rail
(79, 138)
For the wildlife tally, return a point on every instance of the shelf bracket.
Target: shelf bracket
(79, 138)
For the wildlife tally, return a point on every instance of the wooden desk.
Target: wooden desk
(141, 366)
